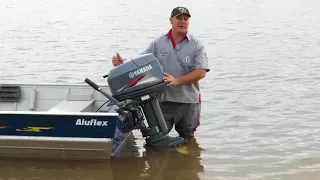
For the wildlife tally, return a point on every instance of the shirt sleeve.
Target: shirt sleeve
(201, 59)
(150, 49)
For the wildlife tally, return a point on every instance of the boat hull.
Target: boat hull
(58, 121)
(46, 124)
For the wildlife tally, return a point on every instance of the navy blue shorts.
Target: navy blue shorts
(185, 117)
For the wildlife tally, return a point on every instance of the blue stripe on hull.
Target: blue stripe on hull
(80, 125)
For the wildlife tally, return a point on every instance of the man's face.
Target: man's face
(180, 23)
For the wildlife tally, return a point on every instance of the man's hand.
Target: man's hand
(190, 78)
(172, 81)
(117, 60)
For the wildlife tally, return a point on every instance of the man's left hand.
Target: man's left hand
(170, 80)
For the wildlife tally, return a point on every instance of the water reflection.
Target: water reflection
(183, 163)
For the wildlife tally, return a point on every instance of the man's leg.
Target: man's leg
(189, 119)
(168, 110)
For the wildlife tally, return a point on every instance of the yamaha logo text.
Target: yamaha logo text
(140, 71)
(92, 122)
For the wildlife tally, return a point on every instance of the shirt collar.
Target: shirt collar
(169, 34)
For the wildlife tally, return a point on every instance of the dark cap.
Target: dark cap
(180, 10)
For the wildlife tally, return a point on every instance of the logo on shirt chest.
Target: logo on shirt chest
(187, 59)
(163, 52)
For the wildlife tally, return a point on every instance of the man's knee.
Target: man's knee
(187, 129)
(187, 133)
(189, 122)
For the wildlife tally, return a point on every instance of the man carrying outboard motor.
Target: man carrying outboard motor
(184, 62)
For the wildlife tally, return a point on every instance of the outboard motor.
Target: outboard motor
(135, 86)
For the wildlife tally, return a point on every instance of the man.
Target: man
(184, 61)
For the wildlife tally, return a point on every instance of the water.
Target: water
(261, 99)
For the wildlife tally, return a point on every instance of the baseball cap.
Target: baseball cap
(180, 10)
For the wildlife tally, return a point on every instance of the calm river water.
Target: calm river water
(261, 99)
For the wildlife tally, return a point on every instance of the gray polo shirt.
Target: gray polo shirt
(188, 55)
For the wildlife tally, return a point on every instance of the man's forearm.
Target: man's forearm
(192, 77)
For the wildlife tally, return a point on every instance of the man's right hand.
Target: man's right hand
(117, 60)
